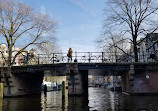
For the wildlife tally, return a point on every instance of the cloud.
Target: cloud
(83, 6)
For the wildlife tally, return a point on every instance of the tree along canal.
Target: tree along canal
(99, 99)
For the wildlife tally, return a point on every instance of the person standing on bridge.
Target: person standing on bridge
(69, 54)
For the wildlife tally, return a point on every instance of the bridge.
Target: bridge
(27, 78)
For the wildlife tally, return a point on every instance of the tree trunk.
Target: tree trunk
(9, 61)
(135, 49)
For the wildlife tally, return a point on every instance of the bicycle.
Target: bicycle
(102, 59)
(58, 59)
(88, 59)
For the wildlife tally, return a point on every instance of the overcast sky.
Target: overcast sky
(79, 21)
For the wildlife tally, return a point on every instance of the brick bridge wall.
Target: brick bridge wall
(21, 83)
(140, 81)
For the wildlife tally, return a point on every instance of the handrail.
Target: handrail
(84, 57)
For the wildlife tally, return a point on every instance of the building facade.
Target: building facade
(26, 57)
(147, 50)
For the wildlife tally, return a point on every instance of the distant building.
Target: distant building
(142, 54)
(55, 79)
(3, 54)
(152, 45)
(147, 50)
(26, 57)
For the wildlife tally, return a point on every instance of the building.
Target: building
(3, 54)
(147, 50)
(142, 54)
(152, 46)
(26, 57)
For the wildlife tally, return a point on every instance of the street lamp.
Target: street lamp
(147, 76)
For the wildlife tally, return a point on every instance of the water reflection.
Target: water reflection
(1, 104)
(138, 103)
(99, 99)
(78, 104)
(52, 102)
(22, 104)
(104, 100)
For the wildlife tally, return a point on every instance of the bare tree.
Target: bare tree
(19, 25)
(48, 48)
(133, 18)
(114, 44)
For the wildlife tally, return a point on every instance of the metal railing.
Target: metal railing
(80, 57)
(94, 57)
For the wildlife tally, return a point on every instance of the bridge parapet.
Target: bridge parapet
(83, 57)
(78, 57)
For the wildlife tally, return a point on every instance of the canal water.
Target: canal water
(99, 99)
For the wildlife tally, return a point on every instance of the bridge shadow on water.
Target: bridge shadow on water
(99, 99)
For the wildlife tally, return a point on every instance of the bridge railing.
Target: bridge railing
(81, 57)
(93, 57)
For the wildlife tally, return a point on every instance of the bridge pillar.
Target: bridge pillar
(140, 81)
(78, 83)
(145, 81)
(6, 80)
(128, 80)
(20, 83)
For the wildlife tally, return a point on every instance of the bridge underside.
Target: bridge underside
(19, 84)
(97, 72)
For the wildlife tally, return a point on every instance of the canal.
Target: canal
(99, 99)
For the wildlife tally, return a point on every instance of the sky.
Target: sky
(79, 22)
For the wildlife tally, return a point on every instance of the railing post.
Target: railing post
(38, 59)
(89, 59)
(75, 57)
(102, 56)
(53, 58)
(27, 58)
